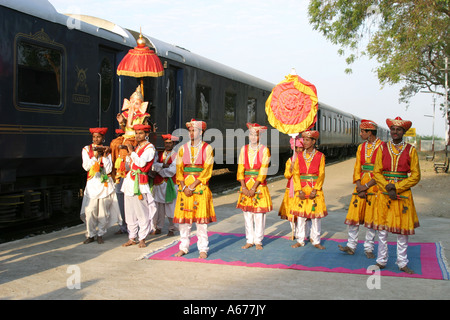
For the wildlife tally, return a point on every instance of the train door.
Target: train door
(355, 132)
(174, 98)
(106, 89)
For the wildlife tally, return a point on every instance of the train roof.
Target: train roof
(101, 28)
(182, 55)
(327, 106)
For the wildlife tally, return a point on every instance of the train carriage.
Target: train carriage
(58, 78)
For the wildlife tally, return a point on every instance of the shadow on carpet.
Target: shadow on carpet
(426, 259)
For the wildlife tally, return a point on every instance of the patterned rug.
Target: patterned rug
(426, 259)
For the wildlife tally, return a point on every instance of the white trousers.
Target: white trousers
(96, 211)
(294, 226)
(202, 236)
(352, 242)
(120, 199)
(138, 215)
(402, 247)
(314, 233)
(255, 224)
(164, 210)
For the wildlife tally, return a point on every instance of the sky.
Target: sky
(267, 38)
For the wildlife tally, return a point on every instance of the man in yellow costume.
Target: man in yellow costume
(195, 162)
(362, 203)
(293, 185)
(254, 198)
(309, 202)
(396, 171)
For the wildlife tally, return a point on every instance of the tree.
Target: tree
(409, 39)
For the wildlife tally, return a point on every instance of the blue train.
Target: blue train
(58, 78)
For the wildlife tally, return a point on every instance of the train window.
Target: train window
(106, 72)
(340, 125)
(251, 110)
(330, 124)
(230, 106)
(324, 123)
(335, 124)
(38, 74)
(203, 101)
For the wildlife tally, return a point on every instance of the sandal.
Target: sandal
(407, 270)
(247, 245)
(346, 249)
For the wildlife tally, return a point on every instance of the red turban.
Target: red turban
(145, 127)
(368, 125)
(169, 137)
(196, 124)
(102, 131)
(256, 127)
(399, 122)
(311, 134)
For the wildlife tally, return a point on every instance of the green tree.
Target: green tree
(408, 39)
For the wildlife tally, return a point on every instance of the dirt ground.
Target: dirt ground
(432, 193)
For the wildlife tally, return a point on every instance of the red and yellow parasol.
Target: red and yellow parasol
(140, 62)
(292, 106)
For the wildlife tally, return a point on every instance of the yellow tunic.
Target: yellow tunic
(396, 216)
(261, 202)
(199, 208)
(361, 210)
(310, 208)
(285, 208)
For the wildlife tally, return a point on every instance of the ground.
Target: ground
(45, 267)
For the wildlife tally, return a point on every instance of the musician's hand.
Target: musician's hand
(312, 194)
(362, 194)
(390, 186)
(301, 195)
(120, 118)
(130, 148)
(107, 151)
(188, 192)
(392, 194)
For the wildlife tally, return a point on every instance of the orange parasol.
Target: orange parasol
(140, 62)
(292, 106)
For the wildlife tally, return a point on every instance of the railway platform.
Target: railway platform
(41, 267)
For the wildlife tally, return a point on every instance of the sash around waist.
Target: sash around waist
(192, 169)
(395, 174)
(309, 177)
(367, 167)
(251, 172)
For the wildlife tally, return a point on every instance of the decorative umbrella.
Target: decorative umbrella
(292, 106)
(140, 62)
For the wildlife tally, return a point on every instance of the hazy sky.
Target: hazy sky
(266, 38)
